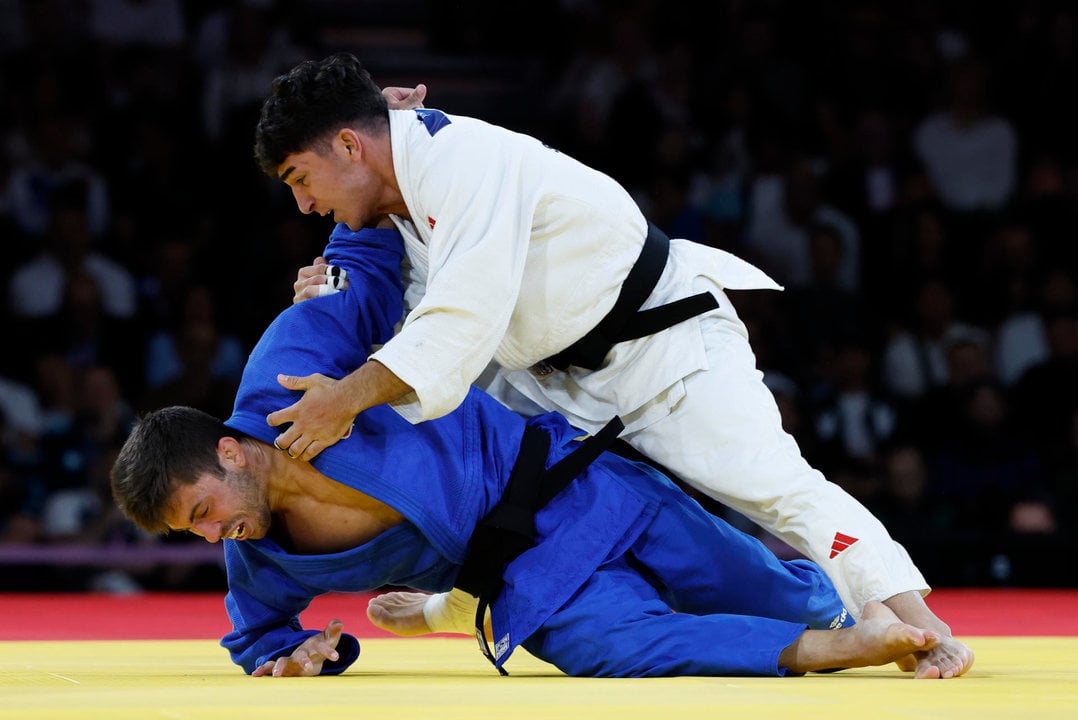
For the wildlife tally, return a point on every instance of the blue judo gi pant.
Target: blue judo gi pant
(692, 596)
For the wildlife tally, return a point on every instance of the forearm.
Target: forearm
(369, 385)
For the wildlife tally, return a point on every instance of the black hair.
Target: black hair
(313, 99)
(167, 447)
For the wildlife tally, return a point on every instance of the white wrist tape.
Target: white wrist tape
(451, 612)
(335, 280)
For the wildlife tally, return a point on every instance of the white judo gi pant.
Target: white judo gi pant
(716, 425)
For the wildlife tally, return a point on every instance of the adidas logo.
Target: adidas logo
(840, 543)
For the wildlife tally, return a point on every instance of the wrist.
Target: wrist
(351, 393)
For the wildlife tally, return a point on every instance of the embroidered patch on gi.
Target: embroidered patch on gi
(435, 120)
(541, 369)
(501, 647)
(839, 621)
(431, 221)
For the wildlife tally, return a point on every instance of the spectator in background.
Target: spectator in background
(723, 198)
(78, 508)
(908, 504)
(1046, 397)
(917, 248)
(52, 172)
(21, 502)
(1022, 335)
(85, 335)
(1003, 277)
(869, 184)
(935, 416)
(672, 200)
(84, 452)
(824, 314)
(652, 110)
(782, 214)
(984, 469)
(37, 287)
(164, 349)
(613, 52)
(853, 419)
(242, 50)
(914, 360)
(969, 153)
(23, 419)
(169, 271)
(22, 492)
(55, 380)
(194, 364)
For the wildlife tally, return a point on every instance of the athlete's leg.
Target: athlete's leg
(725, 439)
(618, 626)
(701, 564)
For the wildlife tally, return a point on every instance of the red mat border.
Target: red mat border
(161, 616)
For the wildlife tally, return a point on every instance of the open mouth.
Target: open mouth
(239, 532)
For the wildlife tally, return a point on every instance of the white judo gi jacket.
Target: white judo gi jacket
(517, 250)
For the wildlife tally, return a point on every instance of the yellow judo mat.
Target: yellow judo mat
(439, 678)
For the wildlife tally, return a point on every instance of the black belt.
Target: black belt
(509, 529)
(626, 321)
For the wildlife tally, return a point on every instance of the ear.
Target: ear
(230, 453)
(350, 143)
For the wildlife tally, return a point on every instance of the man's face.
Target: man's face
(235, 507)
(333, 180)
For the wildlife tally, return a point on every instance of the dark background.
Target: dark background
(907, 170)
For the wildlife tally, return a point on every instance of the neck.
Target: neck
(379, 156)
(283, 477)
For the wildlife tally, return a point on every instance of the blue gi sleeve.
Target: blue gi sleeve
(264, 604)
(372, 257)
(333, 334)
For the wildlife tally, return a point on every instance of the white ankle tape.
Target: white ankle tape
(451, 612)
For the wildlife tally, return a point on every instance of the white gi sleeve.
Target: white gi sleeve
(475, 201)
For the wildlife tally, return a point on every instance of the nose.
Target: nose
(208, 531)
(304, 201)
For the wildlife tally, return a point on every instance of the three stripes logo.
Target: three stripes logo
(840, 543)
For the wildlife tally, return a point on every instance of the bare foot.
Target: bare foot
(949, 659)
(400, 613)
(878, 639)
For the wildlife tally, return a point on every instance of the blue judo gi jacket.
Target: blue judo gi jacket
(443, 475)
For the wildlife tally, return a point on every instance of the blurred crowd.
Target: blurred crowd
(908, 173)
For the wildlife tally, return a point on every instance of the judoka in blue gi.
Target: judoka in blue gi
(627, 576)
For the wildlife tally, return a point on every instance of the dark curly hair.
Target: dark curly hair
(166, 448)
(313, 99)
